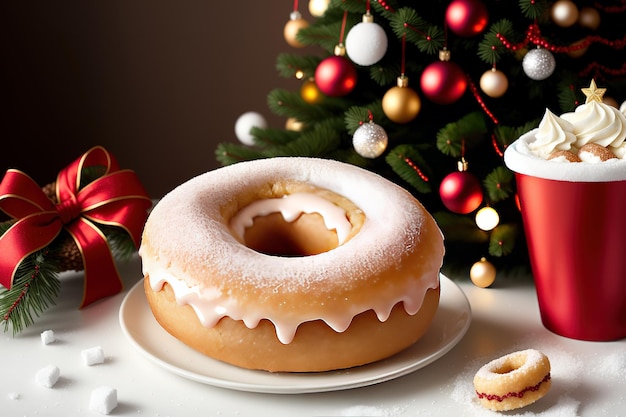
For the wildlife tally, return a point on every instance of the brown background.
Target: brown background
(157, 83)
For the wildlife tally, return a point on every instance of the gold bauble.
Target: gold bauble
(564, 13)
(483, 273)
(294, 124)
(577, 51)
(494, 83)
(310, 92)
(589, 17)
(292, 27)
(401, 104)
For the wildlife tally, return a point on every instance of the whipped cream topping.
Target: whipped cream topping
(592, 122)
(553, 134)
(291, 206)
(599, 123)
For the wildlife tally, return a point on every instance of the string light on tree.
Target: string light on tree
(483, 273)
(370, 140)
(317, 8)
(461, 191)
(366, 42)
(487, 218)
(443, 81)
(467, 17)
(538, 64)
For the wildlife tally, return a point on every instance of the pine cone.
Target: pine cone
(69, 257)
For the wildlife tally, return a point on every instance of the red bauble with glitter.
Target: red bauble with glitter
(443, 82)
(467, 17)
(335, 76)
(461, 192)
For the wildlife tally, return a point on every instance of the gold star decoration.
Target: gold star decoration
(593, 93)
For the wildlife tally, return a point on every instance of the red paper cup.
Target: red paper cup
(576, 233)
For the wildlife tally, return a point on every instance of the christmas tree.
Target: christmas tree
(429, 94)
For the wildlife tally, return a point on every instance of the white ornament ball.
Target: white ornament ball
(245, 123)
(366, 43)
(494, 83)
(538, 64)
(370, 140)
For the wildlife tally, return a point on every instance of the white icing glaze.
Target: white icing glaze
(186, 229)
(291, 207)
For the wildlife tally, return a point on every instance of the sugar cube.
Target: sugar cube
(103, 400)
(47, 337)
(48, 376)
(93, 356)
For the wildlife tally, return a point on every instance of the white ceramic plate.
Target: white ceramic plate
(138, 324)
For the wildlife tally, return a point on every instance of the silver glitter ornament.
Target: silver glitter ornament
(370, 140)
(538, 64)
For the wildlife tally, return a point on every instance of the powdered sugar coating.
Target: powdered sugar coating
(186, 228)
(519, 158)
(532, 358)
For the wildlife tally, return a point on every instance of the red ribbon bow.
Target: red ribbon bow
(116, 198)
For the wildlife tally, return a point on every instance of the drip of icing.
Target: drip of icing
(291, 207)
(211, 304)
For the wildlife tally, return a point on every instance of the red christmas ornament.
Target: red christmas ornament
(335, 76)
(460, 191)
(443, 82)
(467, 17)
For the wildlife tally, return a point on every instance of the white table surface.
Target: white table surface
(589, 378)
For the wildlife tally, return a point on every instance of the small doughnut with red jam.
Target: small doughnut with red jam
(513, 381)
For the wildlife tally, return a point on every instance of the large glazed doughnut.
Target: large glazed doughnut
(292, 264)
(513, 381)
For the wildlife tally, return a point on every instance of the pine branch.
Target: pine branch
(35, 288)
(502, 240)
(499, 184)
(411, 166)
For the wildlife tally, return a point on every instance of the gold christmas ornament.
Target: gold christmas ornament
(401, 104)
(494, 83)
(589, 17)
(564, 13)
(294, 124)
(310, 92)
(483, 273)
(578, 51)
(292, 27)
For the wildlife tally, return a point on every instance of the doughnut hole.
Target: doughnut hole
(305, 236)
